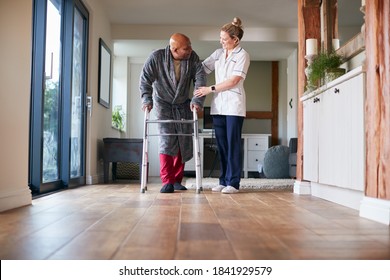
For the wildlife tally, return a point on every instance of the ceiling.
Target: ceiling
(257, 16)
(203, 12)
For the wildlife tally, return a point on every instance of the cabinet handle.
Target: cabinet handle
(336, 90)
(256, 144)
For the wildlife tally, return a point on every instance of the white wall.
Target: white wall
(119, 85)
(99, 123)
(15, 57)
(135, 118)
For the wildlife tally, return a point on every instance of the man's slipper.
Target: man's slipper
(179, 187)
(167, 188)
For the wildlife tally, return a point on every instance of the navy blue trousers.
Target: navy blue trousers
(228, 130)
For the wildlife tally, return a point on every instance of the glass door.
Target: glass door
(51, 95)
(57, 132)
(78, 98)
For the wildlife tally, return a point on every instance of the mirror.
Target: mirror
(343, 20)
(349, 18)
(104, 87)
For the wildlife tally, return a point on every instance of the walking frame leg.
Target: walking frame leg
(197, 154)
(145, 154)
(144, 173)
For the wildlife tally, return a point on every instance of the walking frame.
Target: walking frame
(195, 136)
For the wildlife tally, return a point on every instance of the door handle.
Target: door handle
(89, 105)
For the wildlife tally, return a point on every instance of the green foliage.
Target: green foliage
(321, 63)
(118, 119)
(50, 107)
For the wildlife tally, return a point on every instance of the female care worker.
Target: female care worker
(228, 105)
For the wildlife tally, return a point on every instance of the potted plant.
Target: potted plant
(118, 119)
(324, 68)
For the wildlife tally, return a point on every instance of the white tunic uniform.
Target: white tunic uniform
(233, 101)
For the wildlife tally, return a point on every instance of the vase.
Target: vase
(332, 74)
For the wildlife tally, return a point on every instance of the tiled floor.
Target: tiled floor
(116, 221)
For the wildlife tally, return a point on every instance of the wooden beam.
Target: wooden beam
(309, 26)
(312, 3)
(377, 114)
(259, 115)
(328, 27)
(335, 19)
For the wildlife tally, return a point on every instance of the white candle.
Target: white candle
(363, 3)
(311, 46)
(335, 44)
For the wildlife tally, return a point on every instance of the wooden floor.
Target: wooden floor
(116, 221)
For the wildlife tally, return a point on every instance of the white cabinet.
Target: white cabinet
(333, 131)
(341, 135)
(311, 112)
(255, 147)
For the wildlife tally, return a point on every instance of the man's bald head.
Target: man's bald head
(178, 40)
(180, 46)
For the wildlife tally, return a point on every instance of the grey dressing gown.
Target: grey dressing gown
(170, 99)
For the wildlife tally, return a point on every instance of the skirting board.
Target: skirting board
(346, 197)
(15, 199)
(92, 180)
(302, 187)
(375, 209)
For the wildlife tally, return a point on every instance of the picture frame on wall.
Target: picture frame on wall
(104, 88)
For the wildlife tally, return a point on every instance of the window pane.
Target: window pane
(52, 92)
(77, 95)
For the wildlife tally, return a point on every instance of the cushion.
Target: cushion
(276, 162)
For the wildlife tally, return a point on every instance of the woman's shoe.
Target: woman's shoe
(229, 189)
(218, 188)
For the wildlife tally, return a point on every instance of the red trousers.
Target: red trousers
(171, 169)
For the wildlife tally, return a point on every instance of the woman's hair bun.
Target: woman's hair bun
(237, 22)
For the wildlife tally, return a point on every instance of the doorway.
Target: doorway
(58, 95)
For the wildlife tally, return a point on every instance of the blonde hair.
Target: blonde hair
(234, 28)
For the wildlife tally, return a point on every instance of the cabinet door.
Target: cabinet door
(255, 152)
(358, 159)
(334, 137)
(341, 135)
(258, 144)
(254, 158)
(311, 109)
